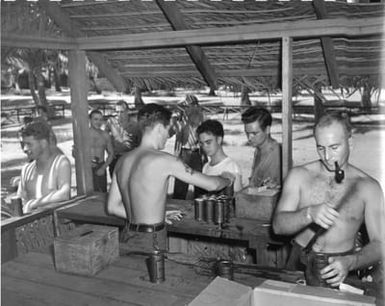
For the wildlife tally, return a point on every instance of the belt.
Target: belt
(148, 228)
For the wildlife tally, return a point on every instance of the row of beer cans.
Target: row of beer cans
(214, 209)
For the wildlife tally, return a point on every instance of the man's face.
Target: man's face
(333, 145)
(164, 135)
(120, 110)
(255, 134)
(210, 143)
(96, 121)
(32, 147)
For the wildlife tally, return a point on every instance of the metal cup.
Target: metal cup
(155, 265)
(17, 206)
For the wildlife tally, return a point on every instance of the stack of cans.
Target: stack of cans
(214, 209)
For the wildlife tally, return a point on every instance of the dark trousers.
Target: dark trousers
(311, 263)
(193, 159)
(100, 181)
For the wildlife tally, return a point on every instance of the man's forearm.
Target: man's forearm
(291, 222)
(367, 256)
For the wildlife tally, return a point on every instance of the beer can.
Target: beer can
(156, 267)
(225, 269)
(210, 203)
(219, 217)
(199, 211)
(17, 206)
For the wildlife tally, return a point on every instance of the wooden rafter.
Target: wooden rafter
(196, 53)
(71, 29)
(327, 46)
(218, 36)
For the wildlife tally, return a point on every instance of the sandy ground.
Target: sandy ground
(367, 153)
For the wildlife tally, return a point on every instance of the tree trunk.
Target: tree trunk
(365, 99)
(212, 92)
(138, 98)
(31, 83)
(245, 99)
(56, 78)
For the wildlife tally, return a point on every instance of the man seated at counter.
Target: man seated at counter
(266, 168)
(47, 177)
(139, 184)
(332, 198)
(210, 134)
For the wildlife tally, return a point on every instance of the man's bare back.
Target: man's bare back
(139, 184)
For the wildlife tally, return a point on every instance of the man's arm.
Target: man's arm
(289, 218)
(178, 169)
(110, 152)
(115, 204)
(62, 193)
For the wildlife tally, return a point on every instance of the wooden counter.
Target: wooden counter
(250, 233)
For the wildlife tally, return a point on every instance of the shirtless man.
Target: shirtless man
(100, 143)
(312, 196)
(140, 180)
(47, 178)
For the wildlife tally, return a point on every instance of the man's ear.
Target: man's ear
(350, 141)
(44, 143)
(220, 140)
(267, 130)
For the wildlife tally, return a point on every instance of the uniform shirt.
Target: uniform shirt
(226, 165)
(267, 165)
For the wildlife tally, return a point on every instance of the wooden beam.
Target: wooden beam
(79, 107)
(221, 36)
(345, 70)
(327, 46)
(72, 29)
(37, 42)
(174, 16)
(287, 81)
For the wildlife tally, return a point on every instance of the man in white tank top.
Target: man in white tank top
(47, 178)
(210, 134)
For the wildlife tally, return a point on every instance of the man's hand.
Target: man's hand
(173, 215)
(29, 206)
(323, 214)
(101, 171)
(337, 270)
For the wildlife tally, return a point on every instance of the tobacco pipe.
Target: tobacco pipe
(339, 176)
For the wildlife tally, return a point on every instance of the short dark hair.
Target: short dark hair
(330, 117)
(38, 129)
(152, 113)
(95, 111)
(122, 102)
(210, 126)
(260, 114)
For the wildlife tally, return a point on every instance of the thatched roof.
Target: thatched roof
(255, 63)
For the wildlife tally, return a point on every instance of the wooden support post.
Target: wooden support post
(79, 106)
(287, 80)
